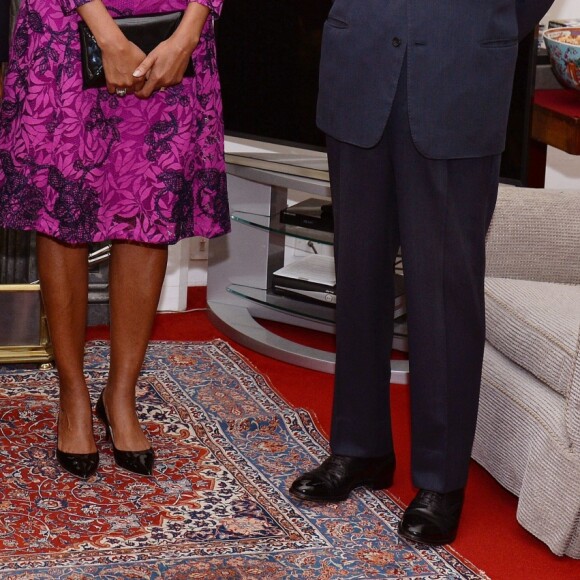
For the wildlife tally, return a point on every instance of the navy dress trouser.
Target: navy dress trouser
(438, 211)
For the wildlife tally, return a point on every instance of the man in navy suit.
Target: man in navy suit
(414, 99)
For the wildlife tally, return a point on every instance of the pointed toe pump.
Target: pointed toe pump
(140, 462)
(81, 465)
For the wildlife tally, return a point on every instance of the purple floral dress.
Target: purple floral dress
(86, 166)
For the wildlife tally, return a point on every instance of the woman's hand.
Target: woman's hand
(119, 62)
(165, 65)
(120, 57)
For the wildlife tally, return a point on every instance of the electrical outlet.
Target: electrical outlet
(198, 249)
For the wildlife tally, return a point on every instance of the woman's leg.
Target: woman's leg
(136, 276)
(63, 273)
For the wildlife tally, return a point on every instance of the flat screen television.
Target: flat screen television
(515, 161)
(268, 55)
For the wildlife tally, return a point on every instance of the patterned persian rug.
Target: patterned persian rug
(227, 449)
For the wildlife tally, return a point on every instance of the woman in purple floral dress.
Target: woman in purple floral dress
(140, 163)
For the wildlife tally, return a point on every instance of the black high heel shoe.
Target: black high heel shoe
(81, 465)
(140, 462)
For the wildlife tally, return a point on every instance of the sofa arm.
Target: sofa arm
(573, 403)
(535, 235)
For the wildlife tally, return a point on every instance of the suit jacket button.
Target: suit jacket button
(396, 42)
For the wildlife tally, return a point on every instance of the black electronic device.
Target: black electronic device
(311, 213)
(306, 291)
(310, 278)
(313, 279)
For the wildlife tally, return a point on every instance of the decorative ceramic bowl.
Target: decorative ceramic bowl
(563, 45)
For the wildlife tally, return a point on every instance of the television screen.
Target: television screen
(516, 157)
(268, 56)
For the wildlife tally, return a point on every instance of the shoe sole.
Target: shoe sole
(336, 498)
(441, 541)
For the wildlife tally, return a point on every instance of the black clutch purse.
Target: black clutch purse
(146, 31)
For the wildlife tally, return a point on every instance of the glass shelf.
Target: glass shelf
(273, 224)
(256, 198)
(320, 312)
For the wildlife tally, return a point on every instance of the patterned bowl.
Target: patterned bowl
(563, 45)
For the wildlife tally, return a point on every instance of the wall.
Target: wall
(562, 9)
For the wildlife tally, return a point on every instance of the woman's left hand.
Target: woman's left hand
(165, 65)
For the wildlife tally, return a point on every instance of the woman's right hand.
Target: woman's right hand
(119, 62)
(120, 57)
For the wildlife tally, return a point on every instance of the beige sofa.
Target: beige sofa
(528, 431)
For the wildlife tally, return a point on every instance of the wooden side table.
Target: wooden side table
(556, 119)
(555, 122)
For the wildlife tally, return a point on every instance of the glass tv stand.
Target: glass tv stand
(240, 265)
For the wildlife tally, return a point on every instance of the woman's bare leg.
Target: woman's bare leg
(63, 273)
(136, 276)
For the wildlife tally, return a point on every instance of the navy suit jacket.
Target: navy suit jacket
(461, 57)
(4, 29)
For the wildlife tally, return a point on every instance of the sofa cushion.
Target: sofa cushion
(536, 325)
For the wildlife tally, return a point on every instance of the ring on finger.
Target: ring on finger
(120, 92)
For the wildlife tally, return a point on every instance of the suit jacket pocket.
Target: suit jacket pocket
(336, 22)
(499, 42)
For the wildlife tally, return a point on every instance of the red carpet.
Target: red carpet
(489, 536)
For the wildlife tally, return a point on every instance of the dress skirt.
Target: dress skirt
(85, 166)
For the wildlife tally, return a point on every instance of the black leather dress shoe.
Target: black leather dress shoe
(432, 517)
(338, 475)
